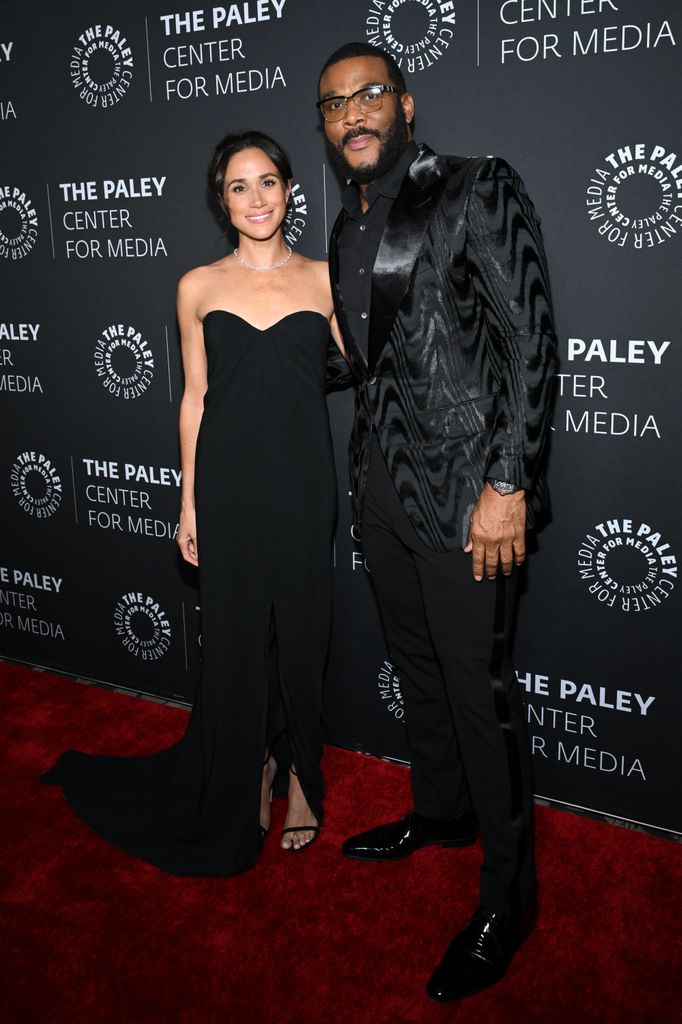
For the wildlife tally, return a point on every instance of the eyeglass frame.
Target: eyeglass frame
(365, 88)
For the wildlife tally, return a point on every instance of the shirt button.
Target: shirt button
(362, 227)
(361, 270)
(364, 316)
(372, 380)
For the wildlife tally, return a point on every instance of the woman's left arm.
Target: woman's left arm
(336, 335)
(339, 373)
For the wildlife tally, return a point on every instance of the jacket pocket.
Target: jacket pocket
(452, 422)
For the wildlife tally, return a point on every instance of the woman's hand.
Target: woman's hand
(187, 537)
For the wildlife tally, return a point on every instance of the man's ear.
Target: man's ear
(407, 103)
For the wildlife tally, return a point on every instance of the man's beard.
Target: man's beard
(393, 142)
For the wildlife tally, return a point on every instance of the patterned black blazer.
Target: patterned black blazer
(461, 345)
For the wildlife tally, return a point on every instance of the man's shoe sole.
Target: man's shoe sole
(467, 993)
(449, 843)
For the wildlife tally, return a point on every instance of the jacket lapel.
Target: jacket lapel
(405, 229)
(355, 353)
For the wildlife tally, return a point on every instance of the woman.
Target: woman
(257, 512)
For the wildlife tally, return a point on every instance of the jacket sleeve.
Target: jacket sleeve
(507, 260)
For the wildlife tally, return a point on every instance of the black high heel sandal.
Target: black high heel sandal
(300, 828)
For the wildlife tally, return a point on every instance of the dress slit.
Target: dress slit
(290, 742)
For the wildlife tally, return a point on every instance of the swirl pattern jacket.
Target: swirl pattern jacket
(462, 346)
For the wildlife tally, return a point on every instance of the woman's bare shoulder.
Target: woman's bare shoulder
(318, 269)
(196, 281)
(321, 270)
(320, 266)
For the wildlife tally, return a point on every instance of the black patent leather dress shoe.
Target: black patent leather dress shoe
(479, 956)
(399, 839)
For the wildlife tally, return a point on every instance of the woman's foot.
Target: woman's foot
(298, 817)
(267, 779)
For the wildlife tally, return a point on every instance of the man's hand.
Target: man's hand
(498, 533)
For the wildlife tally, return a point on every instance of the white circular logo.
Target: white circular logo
(18, 223)
(143, 626)
(415, 32)
(124, 361)
(297, 212)
(388, 682)
(101, 66)
(627, 565)
(36, 484)
(635, 198)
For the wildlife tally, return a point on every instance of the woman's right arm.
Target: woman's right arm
(191, 406)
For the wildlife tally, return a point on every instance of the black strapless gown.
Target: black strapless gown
(266, 503)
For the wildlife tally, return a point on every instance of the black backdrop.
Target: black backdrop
(108, 117)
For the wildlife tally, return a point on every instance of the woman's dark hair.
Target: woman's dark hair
(234, 143)
(349, 50)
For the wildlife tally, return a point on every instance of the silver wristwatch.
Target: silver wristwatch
(502, 487)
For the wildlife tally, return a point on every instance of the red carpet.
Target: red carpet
(91, 935)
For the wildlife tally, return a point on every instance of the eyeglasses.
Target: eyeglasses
(334, 108)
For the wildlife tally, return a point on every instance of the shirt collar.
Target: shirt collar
(388, 185)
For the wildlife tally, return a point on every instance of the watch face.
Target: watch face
(502, 487)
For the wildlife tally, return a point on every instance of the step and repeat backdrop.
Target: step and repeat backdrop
(109, 114)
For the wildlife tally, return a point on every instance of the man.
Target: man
(441, 291)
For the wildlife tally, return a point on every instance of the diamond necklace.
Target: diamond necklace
(252, 266)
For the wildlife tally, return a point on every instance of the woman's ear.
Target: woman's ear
(288, 190)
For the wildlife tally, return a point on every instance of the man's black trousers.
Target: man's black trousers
(449, 639)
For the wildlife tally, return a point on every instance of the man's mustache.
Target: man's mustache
(355, 133)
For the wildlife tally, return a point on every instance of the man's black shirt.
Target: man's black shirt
(359, 240)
